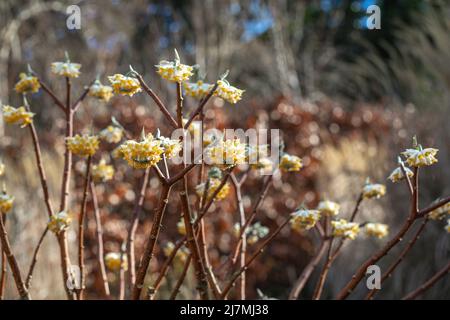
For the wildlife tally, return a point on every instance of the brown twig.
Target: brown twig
(55, 99)
(78, 102)
(34, 259)
(433, 207)
(15, 270)
(81, 223)
(177, 287)
(99, 231)
(123, 254)
(399, 259)
(133, 228)
(3, 274)
(428, 284)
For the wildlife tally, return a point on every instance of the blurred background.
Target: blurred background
(347, 100)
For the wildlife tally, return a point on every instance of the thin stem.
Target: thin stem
(55, 99)
(123, 254)
(34, 259)
(6, 247)
(150, 246)
(78, 102)
(323, 275)
(177, 287)
(133, 228)
(100, 247)
(201, 106)
(428, 284)
(3, 275)
(260, 249)
(433, 207)
(81, 228)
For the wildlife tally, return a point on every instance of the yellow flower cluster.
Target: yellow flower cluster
(378, 230)
(289, 163)
(304, 219)
(66, 69)
(420, 157)
(439, 213)
(102, 172)
(83, 145)
(263, 164)
(228, 92)
(213, 185)
(256, 232)
(59, 221)
(111, 134)
(345, 229)
(174, 70)
(100, 91)
(143, 154)
(115, 260)
(197, 89)
(171, 147)
(230, 152)
(181, 254)
(181, 227)
(398, 175)
(373, 191)
(328, 208)
(6, 202)
(27, 84)
(125, 85)
(18, 116)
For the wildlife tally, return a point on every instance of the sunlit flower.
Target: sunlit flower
(420, 157)
(181, 254)
(83, 145)
(143, 154)
(18, 116)
(398, 175)
(373, 191)
(100, 91)
(117, 153)
(111, 134)
(66, 69)
(59, 221)
(289, 163)
(172, 147)
(125, 85)
(378, 230)
(439, 213)
(328, 208)
(256, 232)
(263, 164)
(236, 229)
(197, 89)
(102, 172)
(229, 152)
(2, 169)
(181, 227)
(304, 219)
(345, 229)
(228, 92)
(6, 202)
(213, 185)
(115, 260)
(174, 70)
(27, 84)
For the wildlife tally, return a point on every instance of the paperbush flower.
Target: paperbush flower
(378, 230)
(172, 147)
(263, 164)
(2, 169)
(143, 154)
(6, 202)
(174, 71)
(102, 172)
(228, 92)
(289, 163)
(66, 69)
(181, 227)
(125, 85)
(18, 116)
(27, 84)
(181, 254)
(100, 91)
(83, 145)
(343, 228)
(228, 153)
(111, 134)
(373, 191)
(197, 89)
(420, 157)
(304, 219)
(59, 222)
(439, 213)
(398, 175)
(256, 232)
(328, 208)
(115, 260)
(213, 185)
